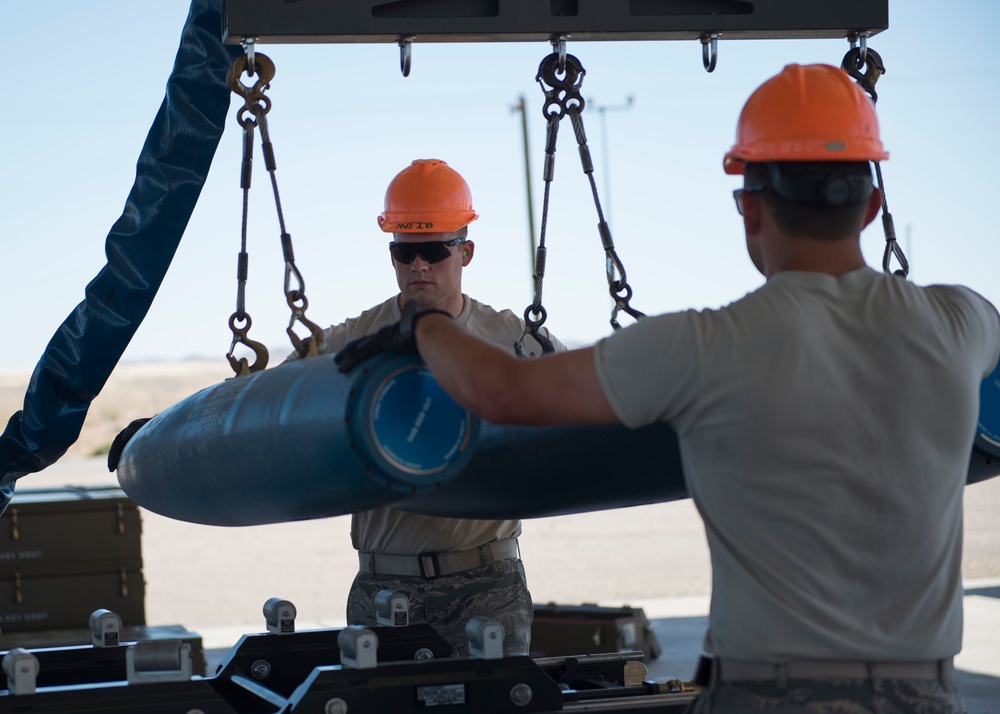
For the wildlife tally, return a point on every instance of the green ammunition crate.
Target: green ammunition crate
(566, 630)
(66, 552)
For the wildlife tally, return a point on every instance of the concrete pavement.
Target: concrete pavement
(680, 623)
(214, 580)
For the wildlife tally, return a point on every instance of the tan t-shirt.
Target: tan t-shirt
(825, 424)
(387, 530)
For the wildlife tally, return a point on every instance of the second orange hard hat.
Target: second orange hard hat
(806, 113)
(428, 196)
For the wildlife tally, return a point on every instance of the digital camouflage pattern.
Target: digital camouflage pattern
(498, 591)
(851, 696)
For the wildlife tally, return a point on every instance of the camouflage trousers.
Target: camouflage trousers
(850, 696)
(498, 591)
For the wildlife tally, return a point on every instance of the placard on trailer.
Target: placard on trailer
(318, 21)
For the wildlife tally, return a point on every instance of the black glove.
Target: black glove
(118, 445)
(397, 338)
(6, 493)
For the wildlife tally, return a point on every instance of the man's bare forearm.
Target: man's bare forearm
(554, 389)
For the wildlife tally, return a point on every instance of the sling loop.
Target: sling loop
(253, 114)
(867, 59)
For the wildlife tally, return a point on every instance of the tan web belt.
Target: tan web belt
(435, 565)
(737, 670)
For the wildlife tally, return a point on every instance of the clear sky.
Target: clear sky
(83, 81)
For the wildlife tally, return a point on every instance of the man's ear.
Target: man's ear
(874, 205)
(751, 213)
(468, 250)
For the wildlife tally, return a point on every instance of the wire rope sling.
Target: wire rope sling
(300, 440)
(865, 66)
(560, 75)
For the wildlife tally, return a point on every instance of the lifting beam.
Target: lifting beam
(358, 21)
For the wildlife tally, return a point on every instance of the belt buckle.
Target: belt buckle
(429, 566)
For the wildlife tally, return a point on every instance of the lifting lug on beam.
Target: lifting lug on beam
(405, 43)
(710, 50)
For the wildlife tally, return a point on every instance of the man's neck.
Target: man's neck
(453, 306)
(833, 257)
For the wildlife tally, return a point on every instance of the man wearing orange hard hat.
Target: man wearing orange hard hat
(825, 422)
(450, 569)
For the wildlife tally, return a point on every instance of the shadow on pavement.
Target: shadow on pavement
(681, 640)
(985, 592)
(980, 692)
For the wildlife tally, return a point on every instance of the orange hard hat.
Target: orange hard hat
(428, 196)
(806, 113)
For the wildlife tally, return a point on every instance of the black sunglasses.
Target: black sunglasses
(738, 195)
(432, 251)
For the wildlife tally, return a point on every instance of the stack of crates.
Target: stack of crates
(66, 552)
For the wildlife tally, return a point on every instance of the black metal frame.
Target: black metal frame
(358, 21)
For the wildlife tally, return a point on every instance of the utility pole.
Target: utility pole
(601, 110)
(521, 107)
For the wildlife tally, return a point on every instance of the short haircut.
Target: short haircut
(812, 219)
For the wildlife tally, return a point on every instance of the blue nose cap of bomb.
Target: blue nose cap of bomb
(407, 427)
(988, 429)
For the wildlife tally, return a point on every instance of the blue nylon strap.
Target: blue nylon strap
(170, 174)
